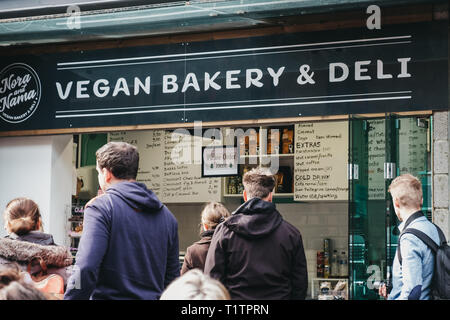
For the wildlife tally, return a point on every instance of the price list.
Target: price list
(321, 161)
(170, 165)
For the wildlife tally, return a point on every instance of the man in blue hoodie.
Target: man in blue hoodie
(129, 246)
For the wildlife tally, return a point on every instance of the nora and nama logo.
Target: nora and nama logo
(20, 92)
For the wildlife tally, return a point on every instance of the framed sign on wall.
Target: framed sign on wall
(220, 161)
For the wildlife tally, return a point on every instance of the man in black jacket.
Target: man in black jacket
(255, 253)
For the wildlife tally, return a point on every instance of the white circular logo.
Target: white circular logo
(20, 92)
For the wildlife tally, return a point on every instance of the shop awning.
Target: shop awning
(53, 21)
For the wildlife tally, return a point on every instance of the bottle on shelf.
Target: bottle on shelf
(343, 264)
(240, 188)
(319, 264)
(288, 141)
(273, 141)
(253, 143)
(326, 270)
(326, 258)
(232, 185)
(334, 264)
(243, 145)
(279, 185)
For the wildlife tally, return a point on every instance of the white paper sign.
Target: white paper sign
(220, 161)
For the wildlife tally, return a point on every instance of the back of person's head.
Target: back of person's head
(195, 285)
(120, 158)
(14, 287)
(407, 189)
(22, 216)
(258, 183)
(214, 213)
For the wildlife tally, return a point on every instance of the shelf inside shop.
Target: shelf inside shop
(281, 155)
(73, 234)
(275, 195)
(334, 278)
(233, 195)
(283, 195)
(76, 219)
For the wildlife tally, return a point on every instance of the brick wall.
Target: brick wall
(440, 171)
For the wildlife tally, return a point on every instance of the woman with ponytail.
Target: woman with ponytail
(212, 214)
(23, 219)
(26, 242)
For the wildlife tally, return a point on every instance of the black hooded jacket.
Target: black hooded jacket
(258, 255)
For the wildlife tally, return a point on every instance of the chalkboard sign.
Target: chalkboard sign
(170, 165)
(321, 157)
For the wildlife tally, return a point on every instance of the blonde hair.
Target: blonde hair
(195, 285)
(214, 213)
(22, 215)
(258, 183)
(407, 189)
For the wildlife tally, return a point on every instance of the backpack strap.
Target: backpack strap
(442, 239)
(413, 217)
(422, 236)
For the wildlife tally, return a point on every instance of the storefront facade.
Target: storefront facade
(336, 108)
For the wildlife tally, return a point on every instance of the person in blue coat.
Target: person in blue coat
(129, 245)
(411, 279)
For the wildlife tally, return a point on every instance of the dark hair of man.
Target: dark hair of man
(120, 158)
(258, 183)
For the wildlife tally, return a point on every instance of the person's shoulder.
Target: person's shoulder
(193, 247)
(96, 201)
(98, 204)
(290, 228)
(425, 226)
(222, 232)
(168, 214)
(223, 227)
(409, 241)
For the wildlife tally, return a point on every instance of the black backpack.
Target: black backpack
(440, 285)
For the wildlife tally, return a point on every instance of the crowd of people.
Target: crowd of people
(129, 248)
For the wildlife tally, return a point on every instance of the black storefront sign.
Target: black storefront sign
(398, 68)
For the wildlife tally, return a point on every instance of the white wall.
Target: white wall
(61, 187)
(39, 168)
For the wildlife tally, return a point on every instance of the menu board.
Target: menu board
(149, 171)
(412, 144)
(377, 156)
(170, 165)
(412, 147)
(321, 157)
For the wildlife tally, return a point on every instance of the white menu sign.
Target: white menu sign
(321, 157)
(220, 161)
(170, 165)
